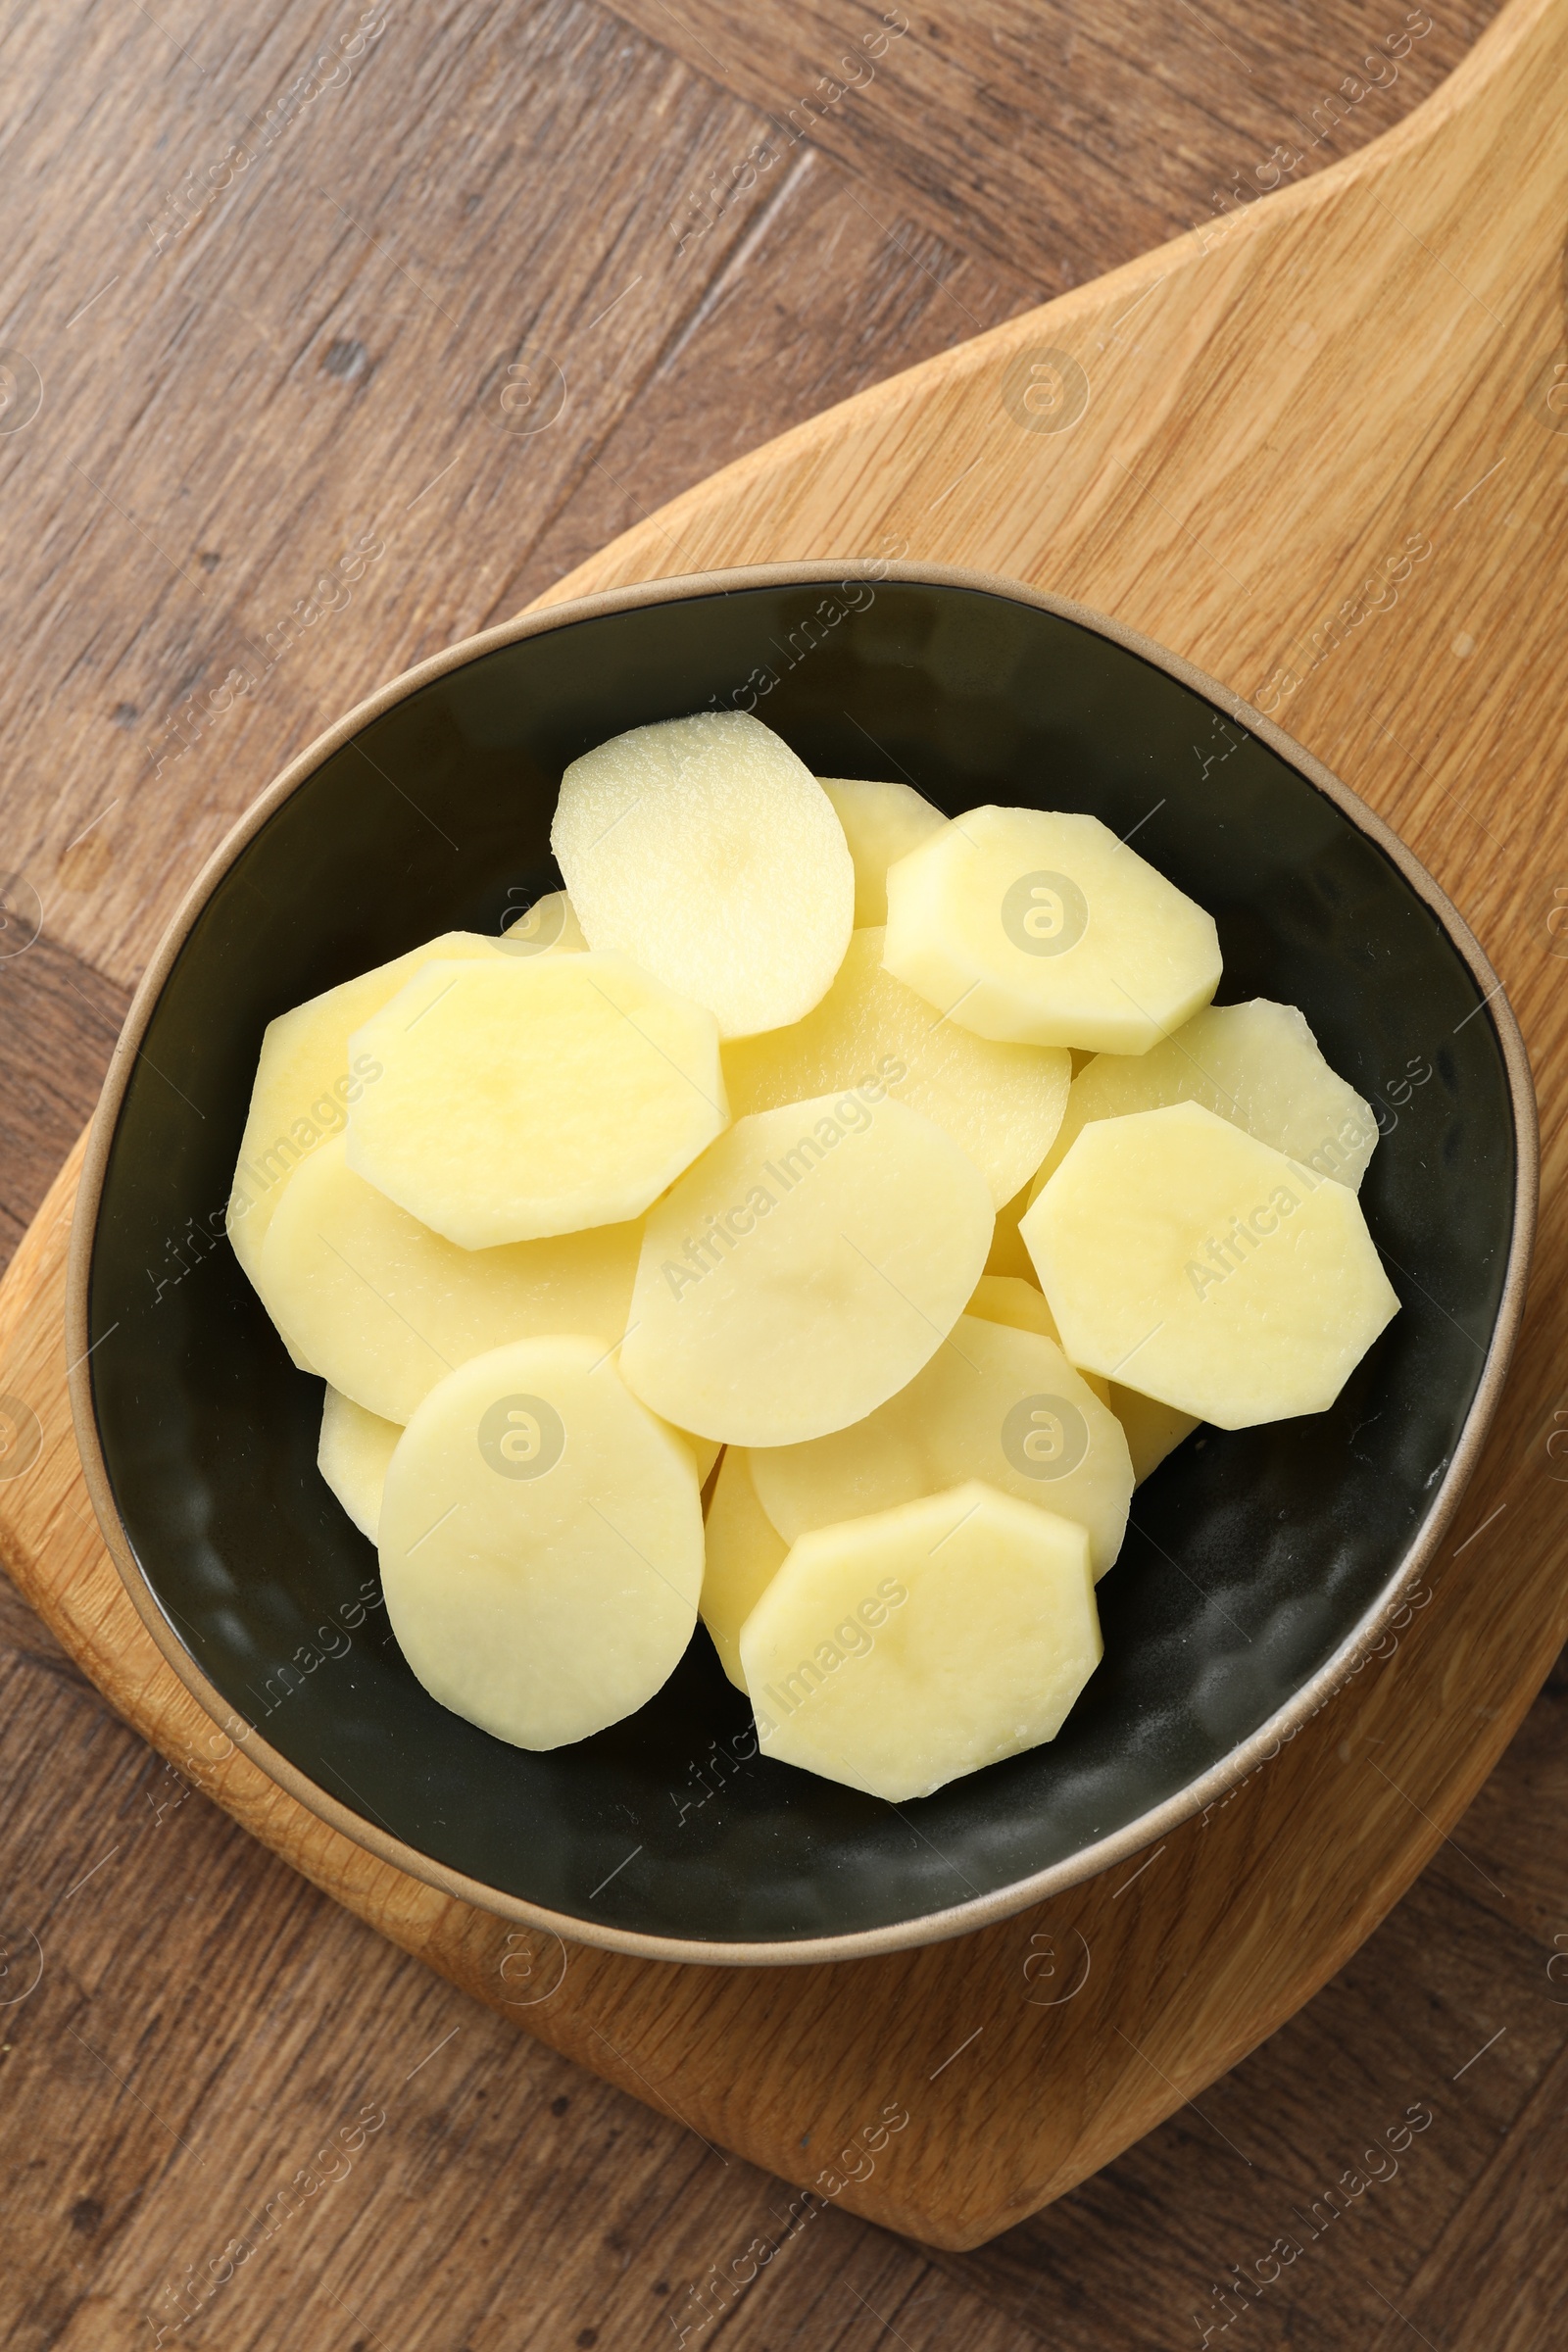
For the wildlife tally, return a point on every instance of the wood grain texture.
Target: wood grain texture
(1014, 131)
(59, 1019)
(168, 1956)
(1400, 2027)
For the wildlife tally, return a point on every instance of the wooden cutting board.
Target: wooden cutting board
(1322, 449)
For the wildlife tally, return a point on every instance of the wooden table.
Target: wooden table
(259, 305)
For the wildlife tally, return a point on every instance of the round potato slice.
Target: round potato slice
(541, 1543)
(703, 847)
(386, 1308)
(526, 1097)
(1227, 1280)
(994, 1403)
(882, 823)
(745, 1552)
(805, 1269)
(897, 1652)
(1257, 1066)
(355, 1450)
(307, 1076)
(1002, 1104)
(1046, 930)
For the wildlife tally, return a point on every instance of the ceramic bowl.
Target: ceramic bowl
(1257, 1563)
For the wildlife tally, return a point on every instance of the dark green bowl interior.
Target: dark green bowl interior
(1252, 1556)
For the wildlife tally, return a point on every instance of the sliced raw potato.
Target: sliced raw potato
(1008, 1253)
(994, 1403)
(541, 1543)
(703, 847)
(526, 1097)
(704, 1452)
(803, 1269)
(1227, 1280)
(745, 1552)
(355, 1450)
(1010, 1299)
(307, 1076)
(386, 1308)
(882, 823)
(1153, 1429)
(896, 1651)
(549, 927)
(1257, 1066)
(1046, 930)
(1005, 1298)
(1002, 1104)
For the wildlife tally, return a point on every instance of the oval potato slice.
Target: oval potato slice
(899, 1651)
(882, 823)
(744, 1551)
(387, 1308)
(308, 1075)
(1257, 1064)
(521, 1097)
(541, 1543)
(355, 1450)
(803, 1269)
(1001, 1103)
(1045, 929)
(703, 847)
(999, 1404)
(1228, 1280)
